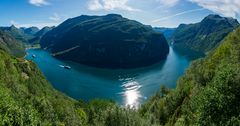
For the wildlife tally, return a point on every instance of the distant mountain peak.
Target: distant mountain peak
(32, 29)
(205, 35)
(107, 16)
(214, 18)
(43, 31)
(13, 27)
(182, 25)
(114, 15)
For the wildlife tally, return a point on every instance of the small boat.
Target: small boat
(61, 66)
(67, 67)
(33, 56)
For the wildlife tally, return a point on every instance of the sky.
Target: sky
(158, 13)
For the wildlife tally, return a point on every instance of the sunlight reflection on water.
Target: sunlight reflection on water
(131, 92)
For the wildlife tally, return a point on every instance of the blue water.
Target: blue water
(126, 87)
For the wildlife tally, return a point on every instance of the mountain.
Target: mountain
(38, 35)
(109, 41)
(43, 31)
(31, 30)
(204, 36)
(11, 45)
(18, 34)
(208, 93)
(168, 32)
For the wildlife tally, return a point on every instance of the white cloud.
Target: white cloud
(38, 2)
(168, 3)
(55, 17)
(178, 14)
(12, 22)
(230, 8)
(96, 5)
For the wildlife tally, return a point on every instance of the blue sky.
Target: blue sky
(161, 13)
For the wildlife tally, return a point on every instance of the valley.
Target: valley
(127, 87)
(125, 63)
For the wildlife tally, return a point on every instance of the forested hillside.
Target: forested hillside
(208, 93)
(38, 35)
(109, 41)
(19, 34)
(28, 99)
(11, 45)
(205, 35)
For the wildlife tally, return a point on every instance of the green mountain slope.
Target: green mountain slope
(38, 35)
(208, 93)
(43, 31)
(204, 36)
(30, 30)
(109, 41)
(28, 99)
(21, 34)
(12, 46)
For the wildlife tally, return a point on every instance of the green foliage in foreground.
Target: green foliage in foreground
(208, 94)
(107, 113)
(28, 99)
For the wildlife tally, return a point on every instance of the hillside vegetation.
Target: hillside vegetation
(31, 35)
(11, 45)
(27, 98)
(205, 35)
(38, 35)
(208, 93)
(22, 34)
